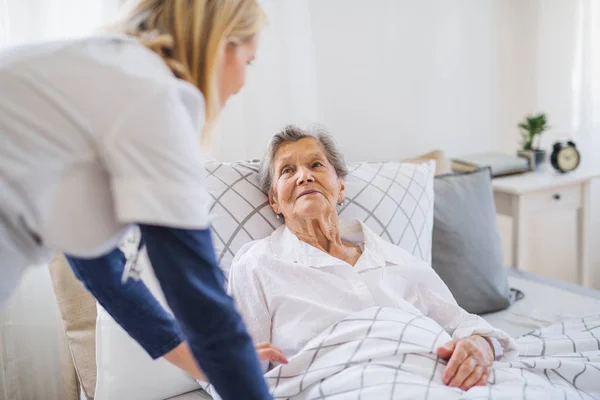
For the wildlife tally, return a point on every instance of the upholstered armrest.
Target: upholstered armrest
(78, 313)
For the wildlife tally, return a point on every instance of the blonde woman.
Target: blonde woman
(101, 133)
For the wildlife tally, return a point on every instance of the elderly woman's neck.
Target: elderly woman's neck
(322, 233)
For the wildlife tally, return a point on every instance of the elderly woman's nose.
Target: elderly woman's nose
(304, 175)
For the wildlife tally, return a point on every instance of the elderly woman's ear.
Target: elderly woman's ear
(273, 203)
(341, 194)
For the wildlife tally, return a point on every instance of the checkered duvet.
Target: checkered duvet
(385, 353)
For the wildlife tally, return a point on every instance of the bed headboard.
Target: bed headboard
(77, 309)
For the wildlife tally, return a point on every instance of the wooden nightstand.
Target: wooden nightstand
(529, 195)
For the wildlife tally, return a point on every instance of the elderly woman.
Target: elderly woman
(315, 270)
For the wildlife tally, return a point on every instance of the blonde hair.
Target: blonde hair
(191, 36)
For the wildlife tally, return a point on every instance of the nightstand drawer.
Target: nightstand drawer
(551, 220)
(558, 198)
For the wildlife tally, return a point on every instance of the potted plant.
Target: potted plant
(531, 130)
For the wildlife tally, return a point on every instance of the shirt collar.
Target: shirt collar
(286, 246)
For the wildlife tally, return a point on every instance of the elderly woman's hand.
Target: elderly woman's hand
(470, 361)
(268, 352)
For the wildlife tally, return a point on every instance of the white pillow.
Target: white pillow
(394, 199)
(124, 369)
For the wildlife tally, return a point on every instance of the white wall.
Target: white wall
(403, 76)
(281, 87)
(23, 21)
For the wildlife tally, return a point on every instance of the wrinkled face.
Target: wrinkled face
(232, 75)
(305, 184)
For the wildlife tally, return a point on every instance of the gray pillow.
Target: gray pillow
(467, 251)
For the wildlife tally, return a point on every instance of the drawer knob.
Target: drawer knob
(556, 196)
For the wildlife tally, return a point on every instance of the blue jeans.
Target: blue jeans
(185, 264)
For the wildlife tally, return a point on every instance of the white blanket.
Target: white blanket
(385, 353)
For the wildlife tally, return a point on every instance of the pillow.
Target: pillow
(394, 199)
(109, 364)
(124, 369)
(467, 249)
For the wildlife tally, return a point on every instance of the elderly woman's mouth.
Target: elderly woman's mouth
(307, 192)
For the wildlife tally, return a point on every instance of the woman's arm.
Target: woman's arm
(435, 300)
(186, 267)
(134, 308)
(182, 357)
(472, 351)
(131, 304)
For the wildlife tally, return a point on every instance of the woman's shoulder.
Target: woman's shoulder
(102, 61)
(100, 50)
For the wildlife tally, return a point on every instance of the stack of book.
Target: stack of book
(501, 164)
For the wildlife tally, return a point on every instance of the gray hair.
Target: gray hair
(292, 133)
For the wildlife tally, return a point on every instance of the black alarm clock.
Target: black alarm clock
(565, 157)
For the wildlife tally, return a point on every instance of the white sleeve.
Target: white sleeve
(437, 302)
(246, 289)
(154, 159)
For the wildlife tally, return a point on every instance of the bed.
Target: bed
(545, 301)
(540, 301)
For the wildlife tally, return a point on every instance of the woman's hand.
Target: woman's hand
(470, 361)
(268, 352)
(182, 357)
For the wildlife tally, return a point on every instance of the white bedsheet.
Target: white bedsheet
(387, 353)
(542, 305)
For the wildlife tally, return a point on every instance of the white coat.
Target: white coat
(95, 134)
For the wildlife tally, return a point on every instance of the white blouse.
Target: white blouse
(288, 291)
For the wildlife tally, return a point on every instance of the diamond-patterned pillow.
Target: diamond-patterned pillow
(394, 199)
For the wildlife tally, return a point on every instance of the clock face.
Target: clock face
(568, 159)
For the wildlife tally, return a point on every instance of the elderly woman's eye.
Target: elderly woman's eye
(286, 171)
(317, 164)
